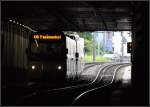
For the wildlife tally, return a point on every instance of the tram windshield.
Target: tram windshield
(47, 49)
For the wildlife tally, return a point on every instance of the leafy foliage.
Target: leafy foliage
(88, 43)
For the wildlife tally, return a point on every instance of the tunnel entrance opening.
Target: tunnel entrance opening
(105, 46)
(98, 48)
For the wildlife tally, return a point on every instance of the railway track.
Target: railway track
(65, 95)
(107, 79)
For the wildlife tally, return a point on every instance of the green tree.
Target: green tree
(87, 41)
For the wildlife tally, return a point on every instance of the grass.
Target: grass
(76, 80)
(89, 58)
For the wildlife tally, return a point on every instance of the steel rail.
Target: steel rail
(94, 89)
(69, 87)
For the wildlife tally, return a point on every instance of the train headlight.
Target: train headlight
(59, 67)
(33, 67)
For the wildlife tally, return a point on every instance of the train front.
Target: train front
(47, 57)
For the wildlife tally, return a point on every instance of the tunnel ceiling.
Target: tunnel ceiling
(74, 16)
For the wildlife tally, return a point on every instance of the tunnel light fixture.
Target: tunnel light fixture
(27, 27)
(14, 22)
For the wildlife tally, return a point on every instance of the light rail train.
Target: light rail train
(54, 56)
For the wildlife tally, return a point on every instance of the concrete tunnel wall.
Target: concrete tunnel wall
(14, 41)
(140, 53)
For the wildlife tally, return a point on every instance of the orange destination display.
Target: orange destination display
(47, 37)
